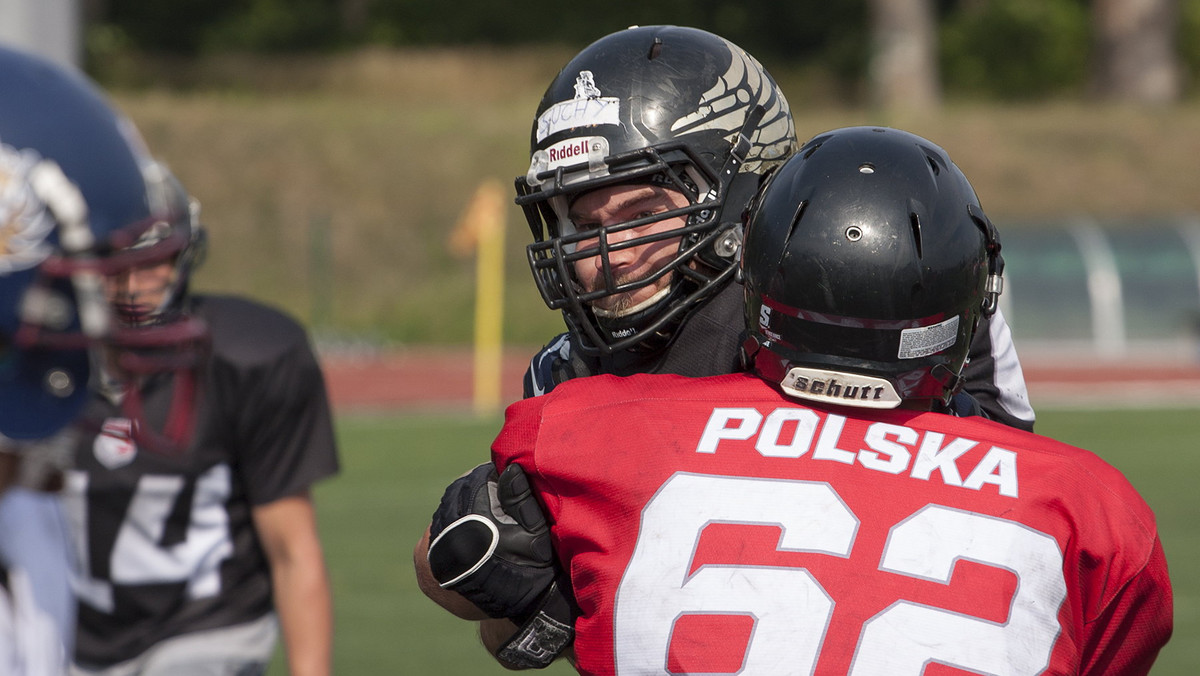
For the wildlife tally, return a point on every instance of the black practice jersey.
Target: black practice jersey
(165, 540)
(707, 343)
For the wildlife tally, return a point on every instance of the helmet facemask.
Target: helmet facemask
(702, 259)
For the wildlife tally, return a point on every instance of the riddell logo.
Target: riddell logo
(567, 151)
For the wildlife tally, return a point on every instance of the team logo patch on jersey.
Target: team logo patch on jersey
(25, 222)
(114, 446)
(587, 109)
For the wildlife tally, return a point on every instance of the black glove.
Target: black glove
(491, 544)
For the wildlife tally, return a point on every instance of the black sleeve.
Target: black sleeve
(276, 397)
(993, 375)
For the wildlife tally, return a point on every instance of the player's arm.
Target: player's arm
(1130, 629)
(287, 529)
(993, 377)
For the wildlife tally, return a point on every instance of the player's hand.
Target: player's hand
(491, 544)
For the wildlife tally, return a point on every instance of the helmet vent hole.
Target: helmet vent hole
(812, 149)
(796, 218)
(933, 165)
(915, 222)
(655, 49)
(854, 233)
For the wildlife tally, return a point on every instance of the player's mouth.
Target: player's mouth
(134, 313)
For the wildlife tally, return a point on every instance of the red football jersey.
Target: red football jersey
(715, 526)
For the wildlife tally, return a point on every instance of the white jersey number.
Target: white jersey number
(792, 610)
(137, 556)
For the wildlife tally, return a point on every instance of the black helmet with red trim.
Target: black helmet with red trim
(670, 106)
(867, 264)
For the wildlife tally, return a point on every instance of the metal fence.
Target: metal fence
(1109, 290)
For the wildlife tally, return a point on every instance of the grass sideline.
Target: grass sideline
(395, 467)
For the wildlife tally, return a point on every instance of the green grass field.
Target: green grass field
(394, 469)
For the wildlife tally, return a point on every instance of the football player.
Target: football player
(824, 514)
(646, 152)
(72, 187)
(697, 121)
(197, 535)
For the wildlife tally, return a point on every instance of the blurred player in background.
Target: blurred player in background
(72, 187)
(824, 515)
(190, 498)
(654, 140)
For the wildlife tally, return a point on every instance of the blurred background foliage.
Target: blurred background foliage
(994, 49)
(335, 143)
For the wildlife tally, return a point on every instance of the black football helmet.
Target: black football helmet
(867, 264)
(76, 188)
(672, 106)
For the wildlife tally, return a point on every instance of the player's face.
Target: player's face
(618, 204)
(138, 293)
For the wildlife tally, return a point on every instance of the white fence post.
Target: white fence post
(1104, 288)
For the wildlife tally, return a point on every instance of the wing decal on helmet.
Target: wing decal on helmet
(723, 108)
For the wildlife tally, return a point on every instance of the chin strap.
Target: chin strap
(995, 279)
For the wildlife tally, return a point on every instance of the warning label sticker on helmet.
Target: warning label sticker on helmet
(927, 340)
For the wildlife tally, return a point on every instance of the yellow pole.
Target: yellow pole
(489, 299)
(481, 229)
